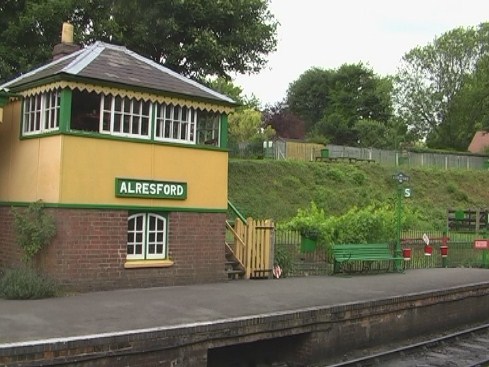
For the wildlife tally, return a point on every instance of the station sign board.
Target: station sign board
(136, 188)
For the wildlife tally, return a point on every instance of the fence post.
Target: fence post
(444, 244)
(484, 254)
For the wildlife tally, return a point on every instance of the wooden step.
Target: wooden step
(235, 274)
(262, 274)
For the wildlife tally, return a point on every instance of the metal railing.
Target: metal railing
(461, 252)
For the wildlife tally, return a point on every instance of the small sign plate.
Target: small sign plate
(481, 244)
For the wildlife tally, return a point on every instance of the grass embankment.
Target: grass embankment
(276, 189)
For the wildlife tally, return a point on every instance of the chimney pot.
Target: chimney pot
(66, 46)
(67, 33)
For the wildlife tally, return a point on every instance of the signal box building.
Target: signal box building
(130, 159)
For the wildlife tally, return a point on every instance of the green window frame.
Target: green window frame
(208, 128)
(119, 116)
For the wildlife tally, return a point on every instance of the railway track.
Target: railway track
(467, 348)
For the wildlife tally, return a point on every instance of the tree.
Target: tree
(246, 128)
(309, 95)
(193, 37)
(468, 111)
(245, 125)
(27, 38)
(228, 88)
(286, 124)
(431, 76)
(332, 102)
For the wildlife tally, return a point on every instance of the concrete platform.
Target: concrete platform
(91, 314)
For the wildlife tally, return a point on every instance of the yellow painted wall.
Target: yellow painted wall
(90, 166)
(77, 170)
(29, 169)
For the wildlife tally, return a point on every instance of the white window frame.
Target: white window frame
(174, 123)
(122, 119)
(148, 239)
(41, 113)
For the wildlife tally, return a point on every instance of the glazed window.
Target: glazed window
(175, 123)
(41, 113)
(208, 128)
(85, 111)
(146, 237)
(125, 116)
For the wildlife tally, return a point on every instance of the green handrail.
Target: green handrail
(236, 211)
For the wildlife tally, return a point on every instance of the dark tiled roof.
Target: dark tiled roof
(116, 64)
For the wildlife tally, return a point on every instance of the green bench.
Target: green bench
(347, 256)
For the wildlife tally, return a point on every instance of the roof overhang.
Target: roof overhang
(63, 80)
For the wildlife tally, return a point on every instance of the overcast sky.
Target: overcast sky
(327, 34)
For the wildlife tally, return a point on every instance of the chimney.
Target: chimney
(66, 46)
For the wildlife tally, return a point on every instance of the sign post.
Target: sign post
(483, 244)
(400, 178)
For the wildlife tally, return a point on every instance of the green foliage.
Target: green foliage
(310, 222)
(28, 30)
(429, 81)
(372, 133)
(333, 103)
(246, 125)
(195, 38)
(26, 283)
(308, 96)
(367, 225)
(469, 110)
(284, 258)
(456, 192)
(336, 173)
(226, 87)
(264, 189)
(373, 223)
(34, 229)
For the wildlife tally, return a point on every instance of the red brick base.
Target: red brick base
(89, 250)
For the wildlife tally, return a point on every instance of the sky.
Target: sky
(328, 34)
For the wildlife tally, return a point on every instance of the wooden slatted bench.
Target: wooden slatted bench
(345, 255)
(340, 159)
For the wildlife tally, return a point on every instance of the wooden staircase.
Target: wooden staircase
(248, 249)
(233, 267)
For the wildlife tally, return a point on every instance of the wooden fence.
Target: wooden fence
(253, 245)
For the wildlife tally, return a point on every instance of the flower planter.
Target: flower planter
(406, 254)
(324, 153)
(444, 251)
(308, 244)
(428, 250)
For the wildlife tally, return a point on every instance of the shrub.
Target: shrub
(34, 229)
(370, 224)
(310, 222)
(25, 283)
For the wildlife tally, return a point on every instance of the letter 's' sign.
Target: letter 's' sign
(134, 188)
